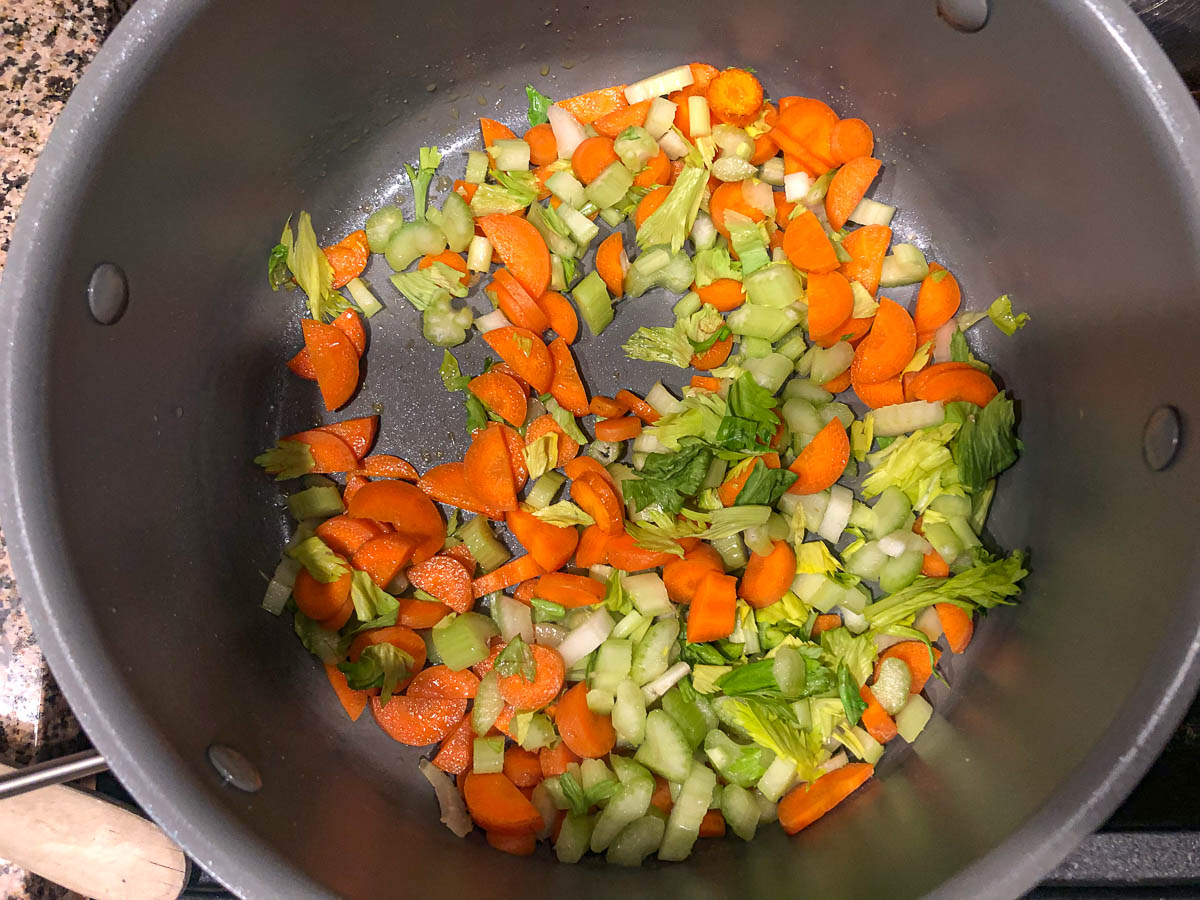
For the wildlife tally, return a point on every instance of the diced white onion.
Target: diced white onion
(941, 341)
(929, 623)
(479, 254)
(814, 508)
(837, 513)
(904, 418)
(836, 761)
(758, 194)
(490, 322)
(659, 85)
(454, 808)
(514, 618)
(600, 572)
(883, 641)
(699, 123)
(662, 400)
(568, 133)
(855, 622)
(704, 232)
(796, 185)
(586, 638)
(665, 681)
(661, 117)
(672, 145)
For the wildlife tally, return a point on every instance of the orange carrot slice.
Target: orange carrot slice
(821, 463)
(334, 361)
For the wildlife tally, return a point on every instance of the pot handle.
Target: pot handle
(54, 771)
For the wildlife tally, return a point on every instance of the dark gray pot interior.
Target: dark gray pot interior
(1052, 155)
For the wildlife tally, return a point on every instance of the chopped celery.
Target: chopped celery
(629, 713)
(567, 188)
(280, 586)
(866, 561)
(657, 267)
(980, 504)
(772, 171)
(775, 286)
(683, 824)
(477, 166)
(612, 217)
(534, 731)
(688, 715)
(487, 756)
(651, 655)
(636, 841)
(912, 719)
(872, 212)
(770, 371)
(457, 222)
(310, 267)
(648, 593)
(672, 221)
(805, 389)
(494, 198)
(609, 186)
(740, 810)
(605, 452)
(892, 684)
(900, 571)
(462, 641)
(732, 168)
(542, 493)
(613, 660)
(865, 305)
(601, 702)
(778, 778)
(412, 241)
(660, 344)
(816, 193)
(509, 155)
(944, 540)
(479, 254)
(665, 750)
(830, 362)
(763, 322)
(740, 764)
(552, 229)
(630, 802)
(442, 324)
(381, 225)
(428, 161)
(792, 345)
(573, 838)
(488, 703)
(635, 148)
(789, 671)
(488, 552)
(660, 118)
(322, 563)
(591, 296)
(800, 416)
(747, 241)
(904, 265)
(732, 551)
(715, 263)
(583, 229)
(287, 460)
(363, 298)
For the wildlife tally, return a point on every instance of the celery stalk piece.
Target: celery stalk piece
(583, 229)
(322, 563)
(772, 171)
(660, 118)
(567, 188)
(316, 503)
(912, 719)
(286, 460)
(763, 322)
(412, 241)
(479, 254)
(636, 841)
(458, 224)
(363, 298)
(629, 713)
(488, 755)
(573, 838)
(776, 285)
(904, 265)
(381, 225)
(477, 167)
(659, 85)
(509, 155)
(665, 751)
(489, 552)
(462, 641)
(428, 161)
(683, 824)
(747, 241)
(630, 801)
(591, 296)
(610, 185)
(872, 212)
(635, 148)
(673, 220)
(488, 703)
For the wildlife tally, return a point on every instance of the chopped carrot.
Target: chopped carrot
(878, 394)
(568, 447)
(714, 356)
(735, 96)
(724, 294)
(398, 636)
(657, 172)
(516, 456)
(783, 208)
(463, 555)
(500, 394)
(705, 383)
(418, 721)
(526, 353)
(442, 681)
(821, 463)
(914, 654)
(550, 545)
(465, 189)
(348, 257)
(612, 124)
(382, 465)
(848, 188)
(320, 600)
(448, 483)
(339, 618)
(830, 303)
(383, 557)
(807, 246)
(543, 147)
(938, 299)
(933, 566)
(420, 613)
(560, 312)
(521, 248)
(730, 197)
(495, 131)
(570, 591)
(407, 508)
(804, 129)
(523, 844)
(334, 361)
(803, 805)
(826, 622)
(447, 258)
(329, 452)
(591, 157)
(350, 324)
(612, 263)
(455, 754)
(764, 149)
(624, 554)
(969, 384)
(554, 760)
(889, 346)
(516, 303)
(648, 204)
(712, 614)
(768, 578)
(622, 428)
(301, 365)
(592, 549)
(606, 407)
(567, 387)
(851, 139)
(345, 534)
(867, 247)
(838, 383)
(956, 624)
(713, 824)
(661, 798)
(587, 734)
(581, 464)
(354, 481)
(497, 805)
(875, 718)
(682, 577)
(591, 106)
(522, 767)
(445, 578)
(640, 408)
(513, 572)
(918, 380)
(522, 693)
(354, 702)
(596, 497)
(489, 469)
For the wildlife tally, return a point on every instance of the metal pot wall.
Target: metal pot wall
(1053, 155)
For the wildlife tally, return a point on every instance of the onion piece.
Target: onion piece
(661, 117)
(837, 513)
(665, 681)
(514, 618)
(454, 808)
(836, 761)
(929, 623)
(698, 117)
(758, 194)
(659, 85)
(903, 418)
(586, 638)
(672, 145)
(662, 400)
(568, 133)
(796, 185)
(941, 341)
(490, 322)
(883, 641)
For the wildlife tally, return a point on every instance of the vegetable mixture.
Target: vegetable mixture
(723, 603)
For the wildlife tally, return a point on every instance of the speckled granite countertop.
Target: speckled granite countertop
(44, 47)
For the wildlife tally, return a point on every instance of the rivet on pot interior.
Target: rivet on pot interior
(963, 15)
(107, 293)
(1161, 437)
(234, 768)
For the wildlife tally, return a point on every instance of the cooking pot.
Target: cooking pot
(1052, 154)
